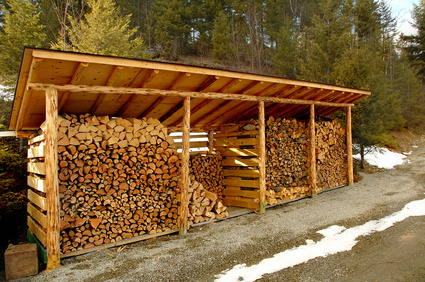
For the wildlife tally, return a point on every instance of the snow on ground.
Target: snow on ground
(336, 239)
(382, 157)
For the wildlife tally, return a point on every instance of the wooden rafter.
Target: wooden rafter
(76, 77)
(112, 78)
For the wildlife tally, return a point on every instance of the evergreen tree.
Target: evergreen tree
(172, 27)
(222, 38)
(21, 29)
(415, 44)
(104, 31)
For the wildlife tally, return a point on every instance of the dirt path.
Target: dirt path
(394, 254)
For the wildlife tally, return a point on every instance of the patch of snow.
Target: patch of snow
(407, 153)
(382, 158)
(337, 239)
(415, 146)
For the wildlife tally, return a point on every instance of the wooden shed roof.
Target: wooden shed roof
(103, 85)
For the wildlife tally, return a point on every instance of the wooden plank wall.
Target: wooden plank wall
(198, 142)
(240, 167)
(37, 203)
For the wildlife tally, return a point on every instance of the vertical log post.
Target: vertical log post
(262, 164)
(312, 154)
(185, 168)
(52, 186)
(210, 142)
(349, 147)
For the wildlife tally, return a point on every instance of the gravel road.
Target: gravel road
(208, 250)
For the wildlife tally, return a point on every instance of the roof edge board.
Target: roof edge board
(117, 61)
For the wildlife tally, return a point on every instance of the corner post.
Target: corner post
(52, 191)
(262, 162)
(313, 186)
(185, 168)
(349, 146)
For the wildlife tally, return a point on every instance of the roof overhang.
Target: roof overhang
(113, 86)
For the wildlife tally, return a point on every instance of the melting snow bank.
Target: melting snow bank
(336, 239)
(382, 157)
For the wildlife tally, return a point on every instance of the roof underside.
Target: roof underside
(46, 67)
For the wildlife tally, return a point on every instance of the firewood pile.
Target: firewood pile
(203, 204)
(287, 164)
(208, 171)
(118, 178)
(330, 158)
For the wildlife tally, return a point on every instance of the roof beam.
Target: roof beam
(110, 82)
(178, 93)
(78, 74)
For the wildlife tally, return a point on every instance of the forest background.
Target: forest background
(352, 43)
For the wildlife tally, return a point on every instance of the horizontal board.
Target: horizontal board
(232, 161)
(36, 230)
(241, 173)
(37, 215)
(236, 191)
(36, 151)
(36, 183)
(241, 202)
(38, 168)
(36, 139)
(233, 134)
(229, 142)
(201, 144)
(36, 199)
(235, 152)
(241, 183)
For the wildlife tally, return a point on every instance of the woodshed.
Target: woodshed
(124, 150)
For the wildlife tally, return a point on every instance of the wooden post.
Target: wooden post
(312, 154)
(210, 142)
(349, 146)
(52, 187)
(185, 167)
(262, 164)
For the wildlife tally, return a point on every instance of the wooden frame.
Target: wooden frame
(194, 93)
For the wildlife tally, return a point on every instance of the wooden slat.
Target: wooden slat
(119, 243)
(38, 168)
(237, 192)
(36, 230)
(233, 134)
(37, 215)
(241, 183)
(231, 142)
(36, 139)
(201, 144)
(232, 161)
(36, 151)
(38, 200)
(235, 152)
(36, 183)
(241, 173)
(241, 202)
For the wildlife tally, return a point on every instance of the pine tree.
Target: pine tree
(222, 38)
(104, 31)
(21, 29)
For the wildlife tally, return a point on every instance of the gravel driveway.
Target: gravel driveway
(207, 250)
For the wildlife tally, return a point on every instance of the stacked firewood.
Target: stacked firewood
(203, 204)
(330, 158)
(118, 178)
(287, 155)
(288, 165)
(207, 170)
